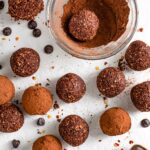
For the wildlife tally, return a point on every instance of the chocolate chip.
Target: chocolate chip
(145, 123)
(15, 143)
(1, 67)
(7, 31)
(32, 24)
(2, 4)
(36, 32)
(41, 122)
(48, 49)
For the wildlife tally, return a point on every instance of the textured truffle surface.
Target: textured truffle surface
(70, 88)
(11, 118)
(48, 142)
(115, 121)
(25, 62)
(84, 25)
(37, 100)
(74, 130)
(25, 9)
(7, 90)
(111, 82)
(138, 56)
(140, 95)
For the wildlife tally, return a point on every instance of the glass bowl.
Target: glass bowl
(54, 13)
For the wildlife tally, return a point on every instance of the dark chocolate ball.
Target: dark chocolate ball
(11, 118)
(25, 62)
(70, 88)
(138, 56)
(140, 95)
(25, 9)
(74, 130)
(111, 82)
(84, 25)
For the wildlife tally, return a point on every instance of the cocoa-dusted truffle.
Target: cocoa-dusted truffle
(84, 25)
(140, 95)
(7, 90)
(74, 130)
(70, 88)
(111, 82)
(115, 121)
(11, 118)
(37, 100)
(48, 142)
(25, 9)
(138, 56)
(25, 62)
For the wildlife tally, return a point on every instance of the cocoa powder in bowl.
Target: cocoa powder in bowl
(113, 17)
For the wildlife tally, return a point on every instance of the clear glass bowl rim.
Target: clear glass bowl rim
(64, 46)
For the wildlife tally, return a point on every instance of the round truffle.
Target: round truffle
(48, 142)
(25, 9)
(115, 121)
(84, 25)
(111, 82)
(138, 56)
(74, 130)
(25, 62)
(140, 95)
(11, 118)
(7, 90)
(37, 100)
(70, 88)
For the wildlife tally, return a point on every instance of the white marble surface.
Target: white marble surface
(92, 103)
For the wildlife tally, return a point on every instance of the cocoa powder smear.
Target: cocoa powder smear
(113, 16)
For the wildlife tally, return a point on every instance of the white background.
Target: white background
(92, 103)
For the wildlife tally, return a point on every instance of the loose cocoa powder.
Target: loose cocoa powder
(113, 16)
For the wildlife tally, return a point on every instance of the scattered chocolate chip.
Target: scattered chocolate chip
(37, 32)
(2, 4)
(32, 24)
(48, 49)
(145, 123)
(7, 31)
(15, 143)
(41, 122)
(1, 67)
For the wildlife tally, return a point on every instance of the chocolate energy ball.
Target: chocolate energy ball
(140, 95)
(84, 25)
(7, 90)
(25, 62)
(48, 142)
(74, 130)
(115, 121)
(25, 9)
(138, 56)
(37, 100)
(111, 82)
(70, 88)
(11, 118)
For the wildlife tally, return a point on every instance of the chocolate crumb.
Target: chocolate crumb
(122, 64)
(56, 106)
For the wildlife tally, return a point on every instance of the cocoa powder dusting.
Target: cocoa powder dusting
(113, 16)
